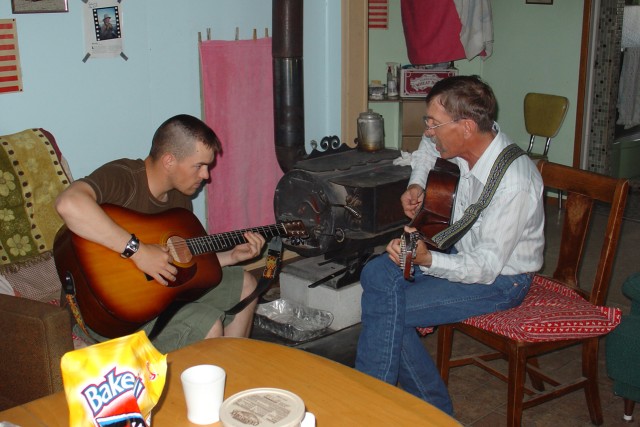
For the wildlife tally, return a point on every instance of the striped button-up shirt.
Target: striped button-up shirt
(508, 237)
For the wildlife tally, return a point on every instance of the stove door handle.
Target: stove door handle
(349, 209)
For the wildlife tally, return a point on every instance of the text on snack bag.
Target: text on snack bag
(114, 386)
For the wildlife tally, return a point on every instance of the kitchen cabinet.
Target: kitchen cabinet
(403, 124)
(411, 113)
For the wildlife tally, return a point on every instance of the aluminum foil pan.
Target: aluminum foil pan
(291, 320)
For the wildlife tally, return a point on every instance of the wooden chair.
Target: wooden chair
(540, 324)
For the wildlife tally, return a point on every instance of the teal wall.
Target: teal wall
(536, 49)
(108, 108)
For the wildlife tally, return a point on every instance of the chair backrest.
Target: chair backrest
(584, 189)
(543, 116)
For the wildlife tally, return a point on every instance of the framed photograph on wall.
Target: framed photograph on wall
(39, 6)
(103, 29)
(539, 1)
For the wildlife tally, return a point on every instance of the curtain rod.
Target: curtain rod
(237, 34)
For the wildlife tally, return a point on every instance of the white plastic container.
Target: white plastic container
(261, 407)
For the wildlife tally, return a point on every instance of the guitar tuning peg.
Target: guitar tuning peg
(295, 241)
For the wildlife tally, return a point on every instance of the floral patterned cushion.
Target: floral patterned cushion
(549, 312)
(31, 176)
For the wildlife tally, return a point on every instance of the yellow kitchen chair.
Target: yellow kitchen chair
(543, 116)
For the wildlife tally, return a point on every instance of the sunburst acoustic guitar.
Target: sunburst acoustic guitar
(115, 298)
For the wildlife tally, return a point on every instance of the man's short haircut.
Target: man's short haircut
(467, 97)
(178, 135)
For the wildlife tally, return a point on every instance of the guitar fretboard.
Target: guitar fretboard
(225, 241)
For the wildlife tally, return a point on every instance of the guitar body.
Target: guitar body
(436, 210)
(114, 296)
(435, 213)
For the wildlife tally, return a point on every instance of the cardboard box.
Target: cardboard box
(416, 83)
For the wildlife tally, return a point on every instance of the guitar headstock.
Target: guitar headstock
(408, 246)
(295, 229)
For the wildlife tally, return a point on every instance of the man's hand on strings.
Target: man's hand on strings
(248, 250)
(155, 261)
(393, 249)
(411, 200)
(423, 254)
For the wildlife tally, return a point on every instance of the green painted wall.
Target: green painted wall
(536, 49)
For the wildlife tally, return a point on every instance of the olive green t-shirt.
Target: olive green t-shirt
(124, 183)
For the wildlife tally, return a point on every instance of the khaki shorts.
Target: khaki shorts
(192, 322)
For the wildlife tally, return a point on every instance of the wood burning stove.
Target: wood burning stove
(348, 200)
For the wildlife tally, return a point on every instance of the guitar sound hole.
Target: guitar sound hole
(179, 249)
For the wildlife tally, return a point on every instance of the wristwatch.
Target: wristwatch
(132, 247)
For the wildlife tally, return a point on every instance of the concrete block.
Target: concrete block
(343, 303)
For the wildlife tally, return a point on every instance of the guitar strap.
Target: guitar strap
(69, 292)
(450, 235)
(270, 273)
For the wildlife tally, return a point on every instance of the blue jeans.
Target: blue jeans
(390, 349)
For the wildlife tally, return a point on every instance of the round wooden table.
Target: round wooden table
(336, 394)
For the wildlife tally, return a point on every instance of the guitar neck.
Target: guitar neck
(225, 241)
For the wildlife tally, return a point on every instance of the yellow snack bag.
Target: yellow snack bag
(114, 383)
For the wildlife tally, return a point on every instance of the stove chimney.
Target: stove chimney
(288, 89)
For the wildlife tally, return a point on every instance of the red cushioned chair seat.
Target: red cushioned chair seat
(550, 312)
(426, 330)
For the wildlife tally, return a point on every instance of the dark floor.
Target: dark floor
(479, 399)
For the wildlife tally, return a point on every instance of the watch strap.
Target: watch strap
(131, 248)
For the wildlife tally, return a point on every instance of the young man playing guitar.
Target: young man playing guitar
(182, 151)
(490, 264)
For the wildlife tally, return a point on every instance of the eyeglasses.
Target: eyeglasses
(427, 127)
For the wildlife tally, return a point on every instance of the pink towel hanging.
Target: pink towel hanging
(237, 80)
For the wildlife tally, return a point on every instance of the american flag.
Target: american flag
(379, 14)
(10, 73)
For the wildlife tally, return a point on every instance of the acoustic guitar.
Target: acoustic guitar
(434, 214)
(116, 298)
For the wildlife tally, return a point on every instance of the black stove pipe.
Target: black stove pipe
(288, 88)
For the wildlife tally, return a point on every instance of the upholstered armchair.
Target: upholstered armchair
(36, 331)
(34, 337)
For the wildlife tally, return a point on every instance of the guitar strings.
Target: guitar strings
(226, 239)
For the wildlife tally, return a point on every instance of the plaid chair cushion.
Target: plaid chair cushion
(549, 312)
